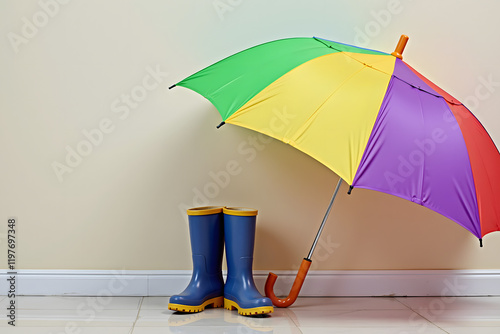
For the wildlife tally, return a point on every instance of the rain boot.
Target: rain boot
(240, 292)
(206, 288)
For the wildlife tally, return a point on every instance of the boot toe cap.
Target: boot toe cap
(250, 302)
(194, 299)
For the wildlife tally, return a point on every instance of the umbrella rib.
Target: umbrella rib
(309, 120)
(404, 81)
(356, 47)
(347, 54)
(423, 90)
(421, 185)
(430, 93)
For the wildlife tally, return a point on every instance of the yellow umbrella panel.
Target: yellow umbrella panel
(312, 108)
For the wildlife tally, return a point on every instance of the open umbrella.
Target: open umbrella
(370, 118)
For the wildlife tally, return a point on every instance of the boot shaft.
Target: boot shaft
(239, 232)
(206, 231)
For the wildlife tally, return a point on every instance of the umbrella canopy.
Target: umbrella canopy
(366, 115)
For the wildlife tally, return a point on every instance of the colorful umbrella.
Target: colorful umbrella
(369, 117)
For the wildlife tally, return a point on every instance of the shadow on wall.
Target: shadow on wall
(367, 230)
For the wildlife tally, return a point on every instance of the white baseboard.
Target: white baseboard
(317, 283)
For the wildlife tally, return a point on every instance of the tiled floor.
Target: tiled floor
(149, 315)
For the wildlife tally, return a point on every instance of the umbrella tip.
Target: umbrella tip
(398, 52)
(480, 242)
(172, 86)
(350, 190)
(221, 124)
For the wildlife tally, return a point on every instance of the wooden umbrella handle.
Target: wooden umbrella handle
(294, 292)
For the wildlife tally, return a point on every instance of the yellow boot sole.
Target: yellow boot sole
(230, 305)
(214, 302)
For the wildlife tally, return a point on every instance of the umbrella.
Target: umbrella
(369, 117)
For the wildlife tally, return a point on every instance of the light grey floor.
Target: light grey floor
(149, 315)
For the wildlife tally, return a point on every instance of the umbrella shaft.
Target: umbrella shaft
(324, 220)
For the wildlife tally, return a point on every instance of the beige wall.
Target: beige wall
(121, 206)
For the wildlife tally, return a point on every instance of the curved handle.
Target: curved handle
(294, 292)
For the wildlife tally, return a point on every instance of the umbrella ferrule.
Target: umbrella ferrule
(221, 124)
(398, 52)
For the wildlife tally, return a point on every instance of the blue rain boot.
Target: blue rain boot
(240, 292)
(206, 288)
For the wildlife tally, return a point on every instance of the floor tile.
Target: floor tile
(62, 318)
(4, 301)
(161, 317)
(474, 330)
(451, 303)
(457, 311)
(155, 303)
(337, 303)
(356, 318)
(278, 319)
(361, 330)
(76, 303)
(149, 315)
(465, 318)
(63, 330)
(211, 317)
(215, 330)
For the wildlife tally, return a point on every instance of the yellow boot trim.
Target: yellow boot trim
(239, 211)
(204, 210)
(230, 305)
(217, 302)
